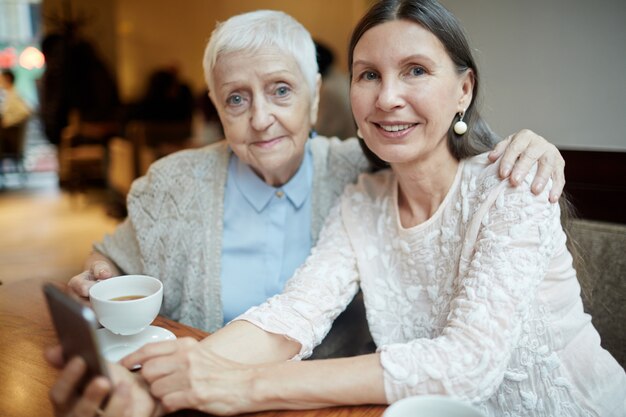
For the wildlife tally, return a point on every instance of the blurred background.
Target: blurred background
(102, 78)
(556, 67)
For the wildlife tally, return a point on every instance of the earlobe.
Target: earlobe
(316, 100)
(467, 89)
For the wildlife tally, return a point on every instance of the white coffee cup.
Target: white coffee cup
(126, 304)
(431, 406)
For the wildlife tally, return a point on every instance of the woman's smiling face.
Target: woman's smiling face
(266, 109)
(405, 91)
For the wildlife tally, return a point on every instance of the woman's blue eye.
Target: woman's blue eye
(282, 91)
(234, 100)
(370, 75)
(416, 71)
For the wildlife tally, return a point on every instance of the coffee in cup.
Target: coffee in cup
(126, 304)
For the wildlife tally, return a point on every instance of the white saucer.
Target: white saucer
(114, 346)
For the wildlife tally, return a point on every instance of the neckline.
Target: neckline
(258, 193)
(438, 213)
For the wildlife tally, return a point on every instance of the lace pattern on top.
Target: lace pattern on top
(453, 304)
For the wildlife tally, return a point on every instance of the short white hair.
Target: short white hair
(258, 30)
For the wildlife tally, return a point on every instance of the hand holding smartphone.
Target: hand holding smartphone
(76, 327)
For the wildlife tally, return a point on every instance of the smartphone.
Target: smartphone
(76, 327)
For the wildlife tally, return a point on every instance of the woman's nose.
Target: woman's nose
(262, 116)
(389, 96)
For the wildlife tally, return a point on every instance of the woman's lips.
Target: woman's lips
(266, 144)
(395, 130)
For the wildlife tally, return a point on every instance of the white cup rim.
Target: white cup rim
(93, 291)
(126, 317)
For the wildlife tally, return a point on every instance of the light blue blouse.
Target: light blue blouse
(267, 234)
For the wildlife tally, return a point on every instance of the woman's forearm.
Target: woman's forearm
(242, 368)
(277, 383)
(320, 383)
(243, 342)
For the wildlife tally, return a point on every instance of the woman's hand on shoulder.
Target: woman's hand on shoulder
(520, 151)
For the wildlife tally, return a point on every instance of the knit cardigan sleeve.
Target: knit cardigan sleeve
(337, 163)
(174, 230)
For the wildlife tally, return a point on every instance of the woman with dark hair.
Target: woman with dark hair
(468, 285)
(446, 28)
(467, 282)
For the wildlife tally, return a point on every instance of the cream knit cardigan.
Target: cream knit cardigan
(175, 215)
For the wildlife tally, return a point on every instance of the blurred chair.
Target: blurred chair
(12, 149)
(602, 274)
(83, 152)
(131, 156)
(153, 140)
(121, 170)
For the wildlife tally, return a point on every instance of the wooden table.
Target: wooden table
(25, 377)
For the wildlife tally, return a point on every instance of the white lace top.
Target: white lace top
(480, 302)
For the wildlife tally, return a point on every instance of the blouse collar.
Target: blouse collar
(259, 194)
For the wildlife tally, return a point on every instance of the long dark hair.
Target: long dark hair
(440, 22)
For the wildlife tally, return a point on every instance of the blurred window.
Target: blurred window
(20, 48)
(19, 20)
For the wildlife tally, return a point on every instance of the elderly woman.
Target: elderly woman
(224, 227)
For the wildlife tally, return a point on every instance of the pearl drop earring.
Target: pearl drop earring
(359, 134)
(460, 127)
